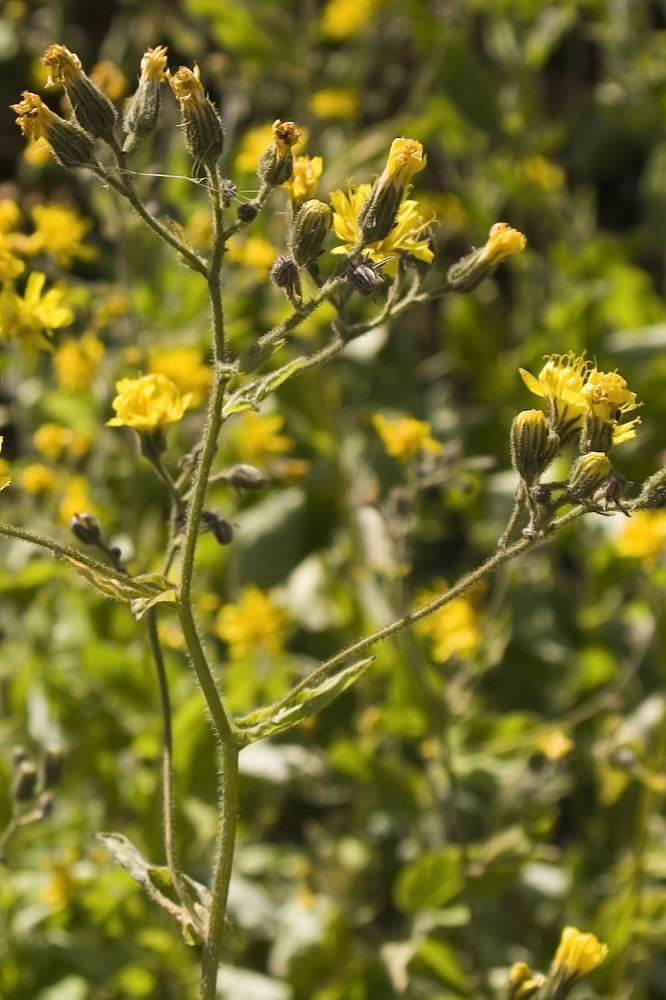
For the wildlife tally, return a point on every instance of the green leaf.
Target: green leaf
(280, 375)
(430, 882)
(443, 962)
(139, 606)
(151, 587)
(237, 406)
(301, 705)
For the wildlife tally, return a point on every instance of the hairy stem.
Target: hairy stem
(60, 549)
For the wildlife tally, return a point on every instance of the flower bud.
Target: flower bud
(284, 274)
(140, 118)
(276, 163)
(246, 477)
(376, 217)
(247, 211)
(533, 444)
(52, 766)
(228, 192)
(218, 526)
(204, 131)
(44, 805)
(86, 528)
(502, 242)
(25, 781)
(522, 982)
(93, 109)
(588, 473)
(308, 231)
(653, 493)
(70, 145)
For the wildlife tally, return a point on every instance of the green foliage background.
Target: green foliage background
(416, 832)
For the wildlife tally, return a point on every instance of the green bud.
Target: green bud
(25, 781)
(140, 118)
(588, 473)
(94, 111)
(246, 477)
(70, 145)
(533, 444)
(376, 217)
(653, 493)
(274, 167)
(309, 228)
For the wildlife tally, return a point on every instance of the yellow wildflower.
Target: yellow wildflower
(38, 480)
(76, 499)
(52, 440)
(502, 242)
(560, 383)
(335, 102)
(258, 439)
(148, 404)
(154, 65)
(32, 317)
(64, 66)
(542, 173)
(254, 143)
(304, 179)
(76, 361)
(405, 158)
(644, 535)
(184, 367)
(10, 266)
(343, 19)
(453, 629)
(255, 253)
(59, 231)
(408, 235)
(555, 744)
(4, 469)
(252, 624)
(10, 215)
(405, 437)
(110, 79)
(578, 953)
(607, 396)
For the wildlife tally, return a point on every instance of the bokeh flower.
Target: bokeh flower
(30, 319)
(76, 361)
(184, 367)
(59, 231)
(454, 629)
(4, 478)
(405, 437)
(304, 179)
(253, 623)
(643, 535)
(257, 438)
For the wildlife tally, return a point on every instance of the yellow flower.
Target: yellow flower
(644, 535)
(405, 437)
(59, 231)
(555, 745)
(407, 235)
(148, 404)
(4, 468)
(38, 479)
(542, 173)
(453, 629)
(10, 266)
(561, 382)
(64, 66)
(503, 241)
(10, 215)
(607, 396)
(154, 65)
(109, 78)
(75, 500)
(76, 361)
(253, 623)
(52, 440)
(578, 953)
(258, 438)
(32, 317)
(255, 253)
(184, 367)
(405, 158)
(345, 18)
(304, 179)
(335, 102)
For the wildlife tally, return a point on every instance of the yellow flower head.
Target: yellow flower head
(52, 440)
(408, 235)
(4, 479)
(32, 115)
(405, 158)
(59, 231)
(252, 624)
(10, 215)
(154, 65)
(405, 437)
(183, 366)
(304, 179)
(503, 241)
(578, 953)
(454, 629)
(561, 382)
(64, 66)
(187, 86)
(285, 135)
(257, 439)
(110, 79)
(38, 480)
(607, 395)
(148, 404)
(335, 102)
(76, 361)
(644, 535)
(32, 317)
(345, 18)
(10, 266)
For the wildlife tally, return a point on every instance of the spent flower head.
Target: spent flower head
(154, 65)
(70, 145)
(204, 131)
(148, 404)
(93, 109)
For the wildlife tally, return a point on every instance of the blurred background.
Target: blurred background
(500, 772)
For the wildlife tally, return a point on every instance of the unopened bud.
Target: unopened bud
(86, 528)
(284, 274)
(653, 493)
(502, 242)
(45, 804)
(588, 473)
(218, 526)
(533, 444)
(309, 228)
(246, 477)
(522, 983)
(25, 781)
(247, 211)
(52, 766)
(93, 109)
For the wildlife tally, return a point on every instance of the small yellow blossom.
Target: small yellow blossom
(454, 629)
(59, 231)
(148, 404)
(578, 953)
(503, 241)
(32, 317)
(304, 179)
(10, 215)
(253, 623)
(405, 437)
(110, 79)
(75, 499)
(184, 367)
(257, 438)
(39, 480)
(335, 102)
(285, 136)
(555, 745)
(52, 440)
(187, 86)
(643, 536)
(542, 173)
(254, 143)
(343, 19)
(561, 382)
(154, 65)
(607, 395)
(76, 361)
(405, 158)
(4, 469)
(10, 265)
(409, 234)
(64, 66)
(37, 153)
(254, 252)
